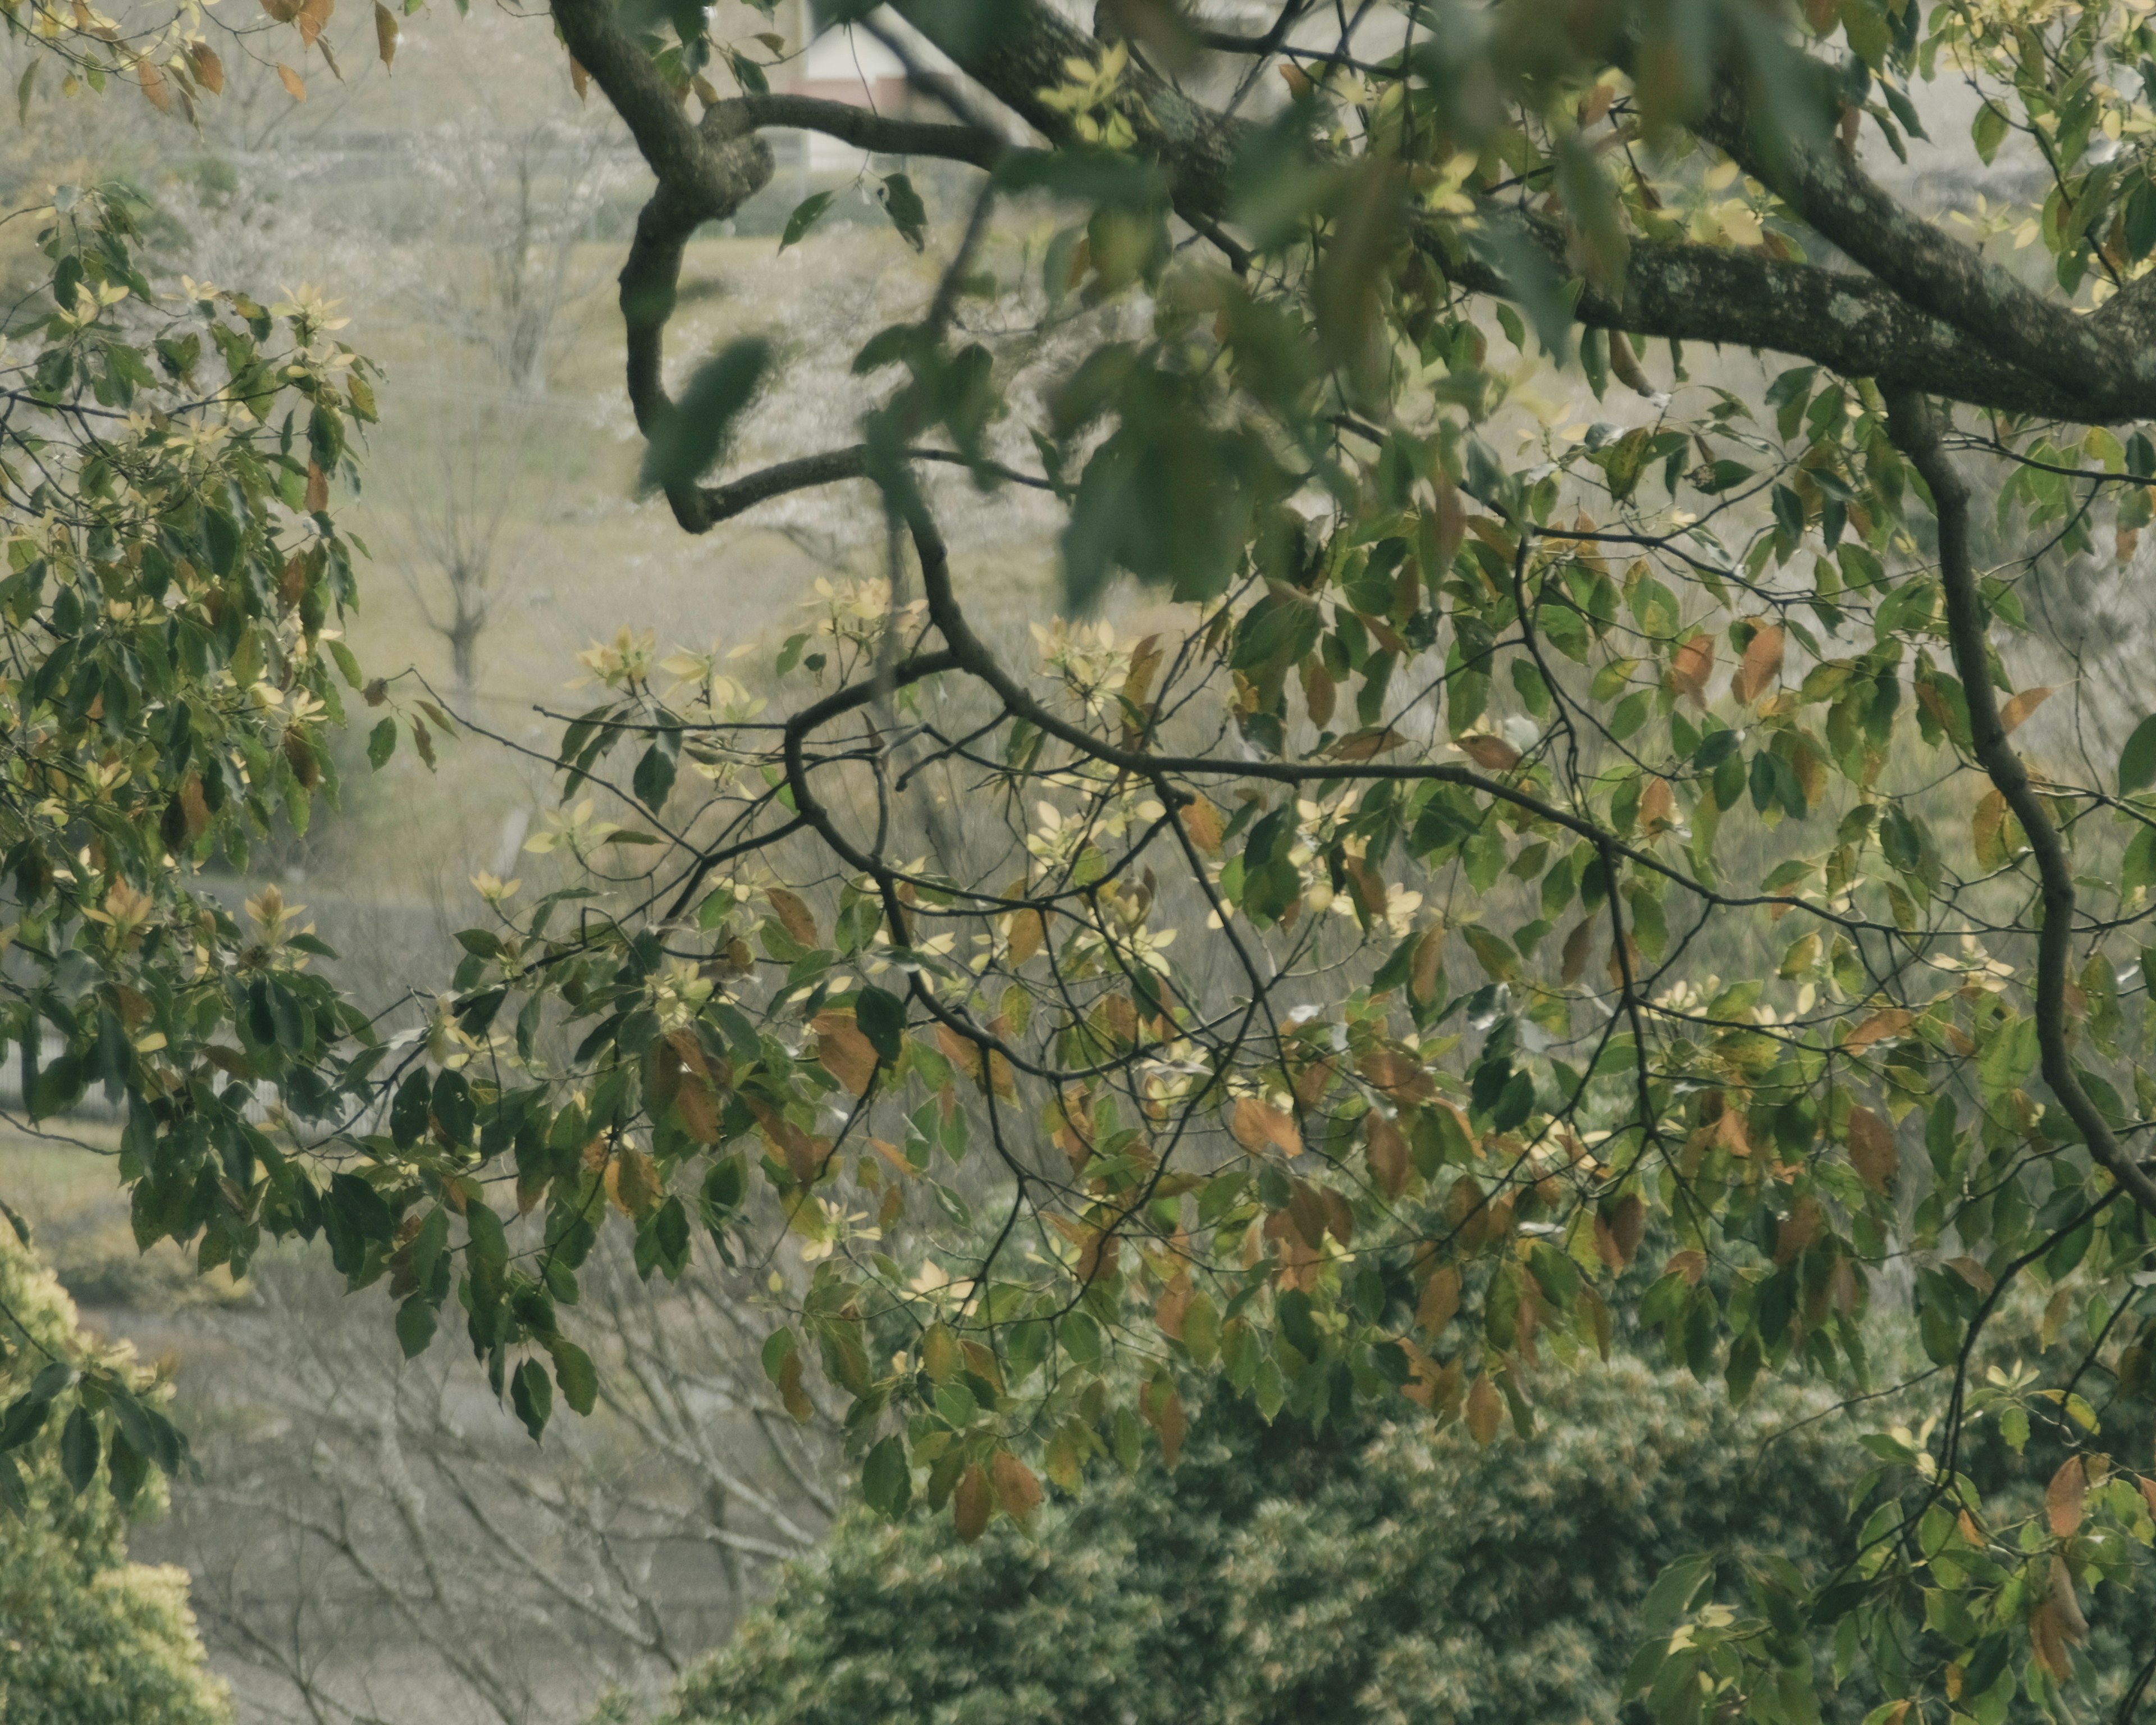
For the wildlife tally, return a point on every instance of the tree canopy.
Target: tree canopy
(1527, 844)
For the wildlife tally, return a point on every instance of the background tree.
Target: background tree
(86, 1638)
(1502, 926)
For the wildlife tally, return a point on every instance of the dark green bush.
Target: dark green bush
(1279, 1575)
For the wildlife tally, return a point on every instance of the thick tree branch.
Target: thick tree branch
(867, 131)
(1915, 431)
(1858, 325)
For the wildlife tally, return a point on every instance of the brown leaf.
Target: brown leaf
(2071, 1624)
(1762, 664)
(1492, 754)
(792, 1392)
(632, 1181)
(1440, 1301)
(1029, 934)
(794, 916)
(846, 1054)
(1628, 1224)
(1016, 1488)
(804, 1156)
(1987, 830)
(1657, 806)
(1138, 682)
(1319, 690)
(1201, 820)
(1483, 1409)
(313, 15)
(1891, 1022)
(209, 70)
(283, 10)
(318, 489)
(1389, 1155)
(580, 81)
(1257, 1124)
(1871, 1149)
(2066, 1498)
(971, 1504)
(1371, 740)
(1173, 1306)
(1690, 665)
(1429, 960)
(2021, 705)
(154, 88)
(294, 86)
(1578, 945)
(1401, 1079)
(2049, 1644)
(696, 1105)
(1797, 1231)
(385, 34)
(1162, 1408)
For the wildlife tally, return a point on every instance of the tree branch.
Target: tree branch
(1915, 431)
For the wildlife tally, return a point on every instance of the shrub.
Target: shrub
(86, 1638)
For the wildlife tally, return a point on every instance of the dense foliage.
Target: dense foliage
(1370, 1572)
(86, 1638)
(1532, 836)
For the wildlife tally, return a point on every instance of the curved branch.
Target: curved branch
(867, 131)
(1915, 431)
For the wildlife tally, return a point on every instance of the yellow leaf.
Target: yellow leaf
(2066, 1498)
(2021, 705)
(295, 85)
(939, 1355)
(313, 15)
(1872, 1150)
(385, 33)
(1987, 830)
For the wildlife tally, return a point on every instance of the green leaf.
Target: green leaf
(532, 1396)
(79, 1450)
(881, 1017)
(382, 744)
(689, 438)
(908, 213)
(886, 1478)
(574, 1371)
(415, 1326)
(805, 217)
(2136, 761)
